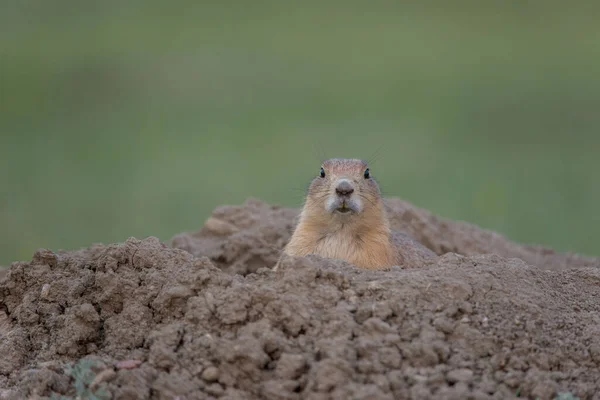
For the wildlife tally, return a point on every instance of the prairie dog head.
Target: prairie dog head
(343, 191)
(344, 217)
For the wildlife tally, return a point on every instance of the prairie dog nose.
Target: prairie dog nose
(344, 188)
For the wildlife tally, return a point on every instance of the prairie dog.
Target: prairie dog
(344, 218)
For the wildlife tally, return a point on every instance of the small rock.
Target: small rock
(179, 292)
(220, 227)
(128, 364)
(485, 322)
(105, 376)
(210, 374)
(215, 390)
(45, 291)
(460, 375)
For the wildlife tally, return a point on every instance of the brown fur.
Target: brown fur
(363, 238)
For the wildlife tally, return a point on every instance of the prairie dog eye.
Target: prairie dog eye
(367, 173)
(322, 173)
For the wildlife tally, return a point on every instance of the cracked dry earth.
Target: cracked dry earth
(203, 317)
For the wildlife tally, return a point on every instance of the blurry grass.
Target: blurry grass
(138, 119)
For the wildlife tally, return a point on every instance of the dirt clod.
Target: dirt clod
(205, 317)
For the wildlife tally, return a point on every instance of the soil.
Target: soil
(204, 317)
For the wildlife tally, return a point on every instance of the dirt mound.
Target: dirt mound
(444, 236)
(158, 322)
(242, 239)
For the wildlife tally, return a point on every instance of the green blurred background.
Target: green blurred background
(136, 118)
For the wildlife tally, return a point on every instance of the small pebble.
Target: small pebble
(215, 389)
(45, 291)
(485, 322)
(128, 364)
(104, 376)
(210, 374)
(460, 375)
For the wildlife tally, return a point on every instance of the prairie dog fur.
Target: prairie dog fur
(344, 218)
